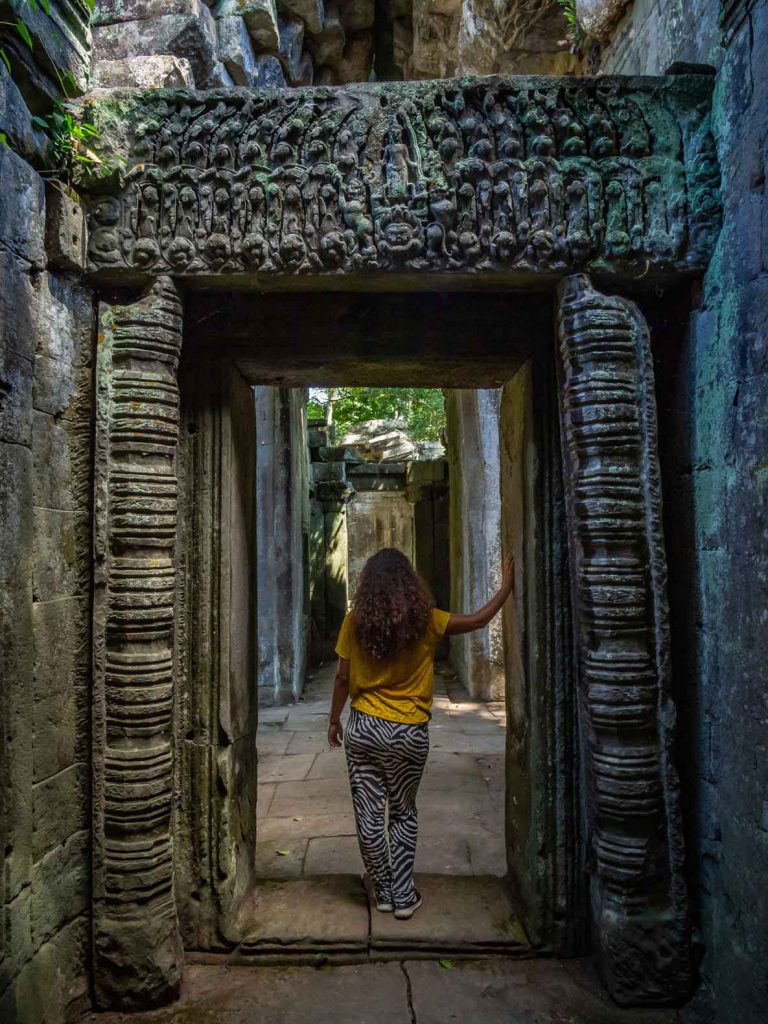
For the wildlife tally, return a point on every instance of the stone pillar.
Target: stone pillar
(427, 489)
(543, 829)
(282, 530)
(336, 580)
(618, 572)
(472, 419)
(215, 827)
(137, 952)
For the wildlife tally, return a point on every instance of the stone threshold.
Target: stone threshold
(330, 918)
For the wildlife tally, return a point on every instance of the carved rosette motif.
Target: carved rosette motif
(136, 948)
(619, 594)
(507, 174)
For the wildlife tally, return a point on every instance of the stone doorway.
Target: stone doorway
(291, 843)
(479, 185)
(371, 485)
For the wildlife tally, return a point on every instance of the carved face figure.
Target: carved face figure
(180, 253)
(503, 245)
(398, 234)
(293, 251)
(217, 249)
(254, 250)
(146, 252)
(333, 249)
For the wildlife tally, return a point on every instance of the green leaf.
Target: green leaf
(23, 31)
(7, 63)
(33, 5)
(283, 853)
(321, 959)
(3, 139)
(46, 5)
(39, 121)
(448, 965)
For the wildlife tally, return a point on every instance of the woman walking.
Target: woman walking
(386, 652)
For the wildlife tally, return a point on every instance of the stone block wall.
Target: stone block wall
(208, 43)
(713, 396)
(46, 338)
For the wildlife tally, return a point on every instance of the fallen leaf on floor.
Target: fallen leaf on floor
(299, 818)
(321, 959)
(447, 964)
(283, 853)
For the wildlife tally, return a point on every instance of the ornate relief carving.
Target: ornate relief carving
(513, 174)
(619, 595)
(137, 954)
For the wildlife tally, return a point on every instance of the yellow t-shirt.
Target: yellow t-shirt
(400, 688)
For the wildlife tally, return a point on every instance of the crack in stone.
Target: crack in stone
(409, 992)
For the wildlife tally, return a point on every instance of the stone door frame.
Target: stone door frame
(519, 182)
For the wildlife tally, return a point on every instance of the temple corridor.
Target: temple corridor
(305, 821)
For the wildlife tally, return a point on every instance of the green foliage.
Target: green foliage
(576, 32)
(422, 410)
(70, 136)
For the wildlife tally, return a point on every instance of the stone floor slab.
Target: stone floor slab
(516, 992)
(284, 767)
(457, 913)
(270, 741)
(490, 991)
(487, 852)
(333, 855)
(264, 795)
(280, 858)
(306, 826)
(330, 764)
(320, 796)
(305, 914)
(443, 854)
(306, 743)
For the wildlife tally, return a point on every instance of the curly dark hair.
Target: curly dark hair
(392, 605)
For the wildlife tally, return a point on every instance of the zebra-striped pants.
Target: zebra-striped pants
(385, 762)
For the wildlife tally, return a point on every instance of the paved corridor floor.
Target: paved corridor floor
(491, 991)
(306, 825)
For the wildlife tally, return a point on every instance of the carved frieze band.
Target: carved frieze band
(137, 956)
(619, 583)
(507, 174)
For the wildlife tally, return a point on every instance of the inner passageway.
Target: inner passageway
(299, 500)
(305, 822)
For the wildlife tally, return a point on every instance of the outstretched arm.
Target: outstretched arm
(339, 699)
(480, 618)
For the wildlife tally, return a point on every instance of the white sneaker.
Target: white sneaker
(384, 907)
(404, 913)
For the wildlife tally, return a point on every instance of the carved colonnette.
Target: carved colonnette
(608, 411)
(504, 175)
(136, 948)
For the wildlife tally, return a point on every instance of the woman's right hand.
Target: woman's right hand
(335, 734)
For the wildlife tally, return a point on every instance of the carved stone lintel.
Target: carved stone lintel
(510, 175)
(618, 567)
(136, 948)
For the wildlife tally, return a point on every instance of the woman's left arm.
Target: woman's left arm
(339, 699)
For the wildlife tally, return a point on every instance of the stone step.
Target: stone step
(301, 920)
